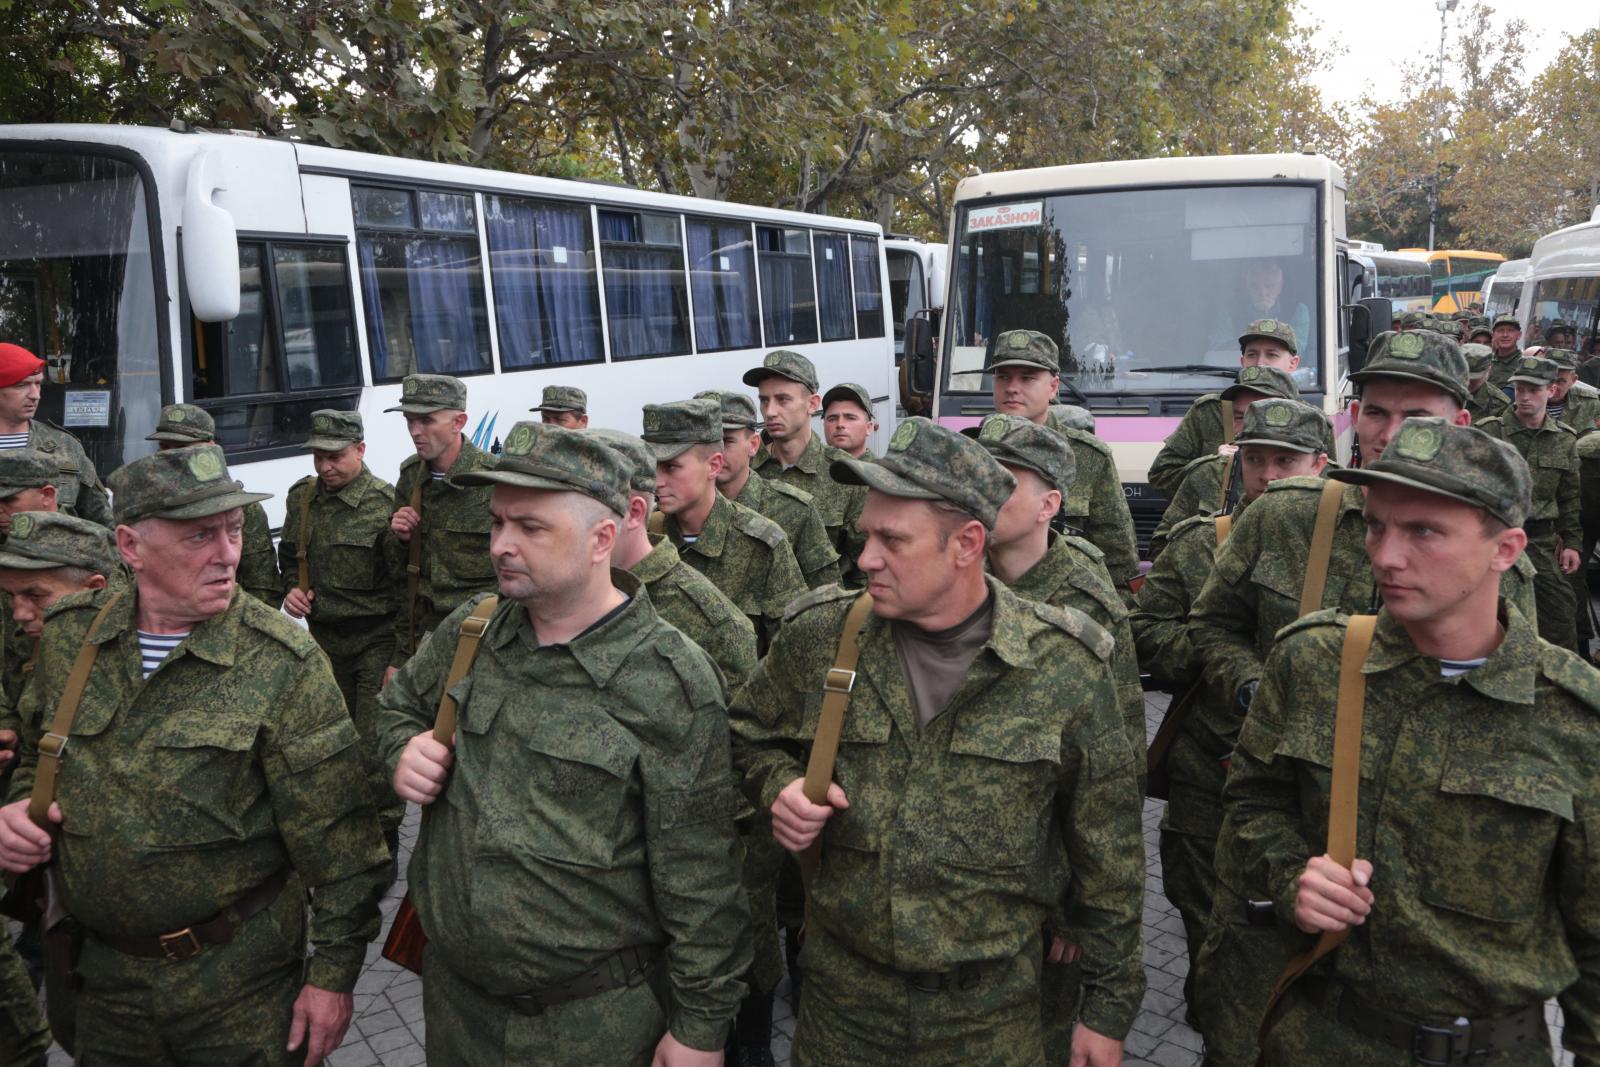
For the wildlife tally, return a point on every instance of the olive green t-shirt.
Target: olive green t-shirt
(935, 662)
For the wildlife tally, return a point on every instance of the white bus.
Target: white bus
(1502, 290)
(1563, 282)
(916, 281)
(1145, 272)
(262, 279)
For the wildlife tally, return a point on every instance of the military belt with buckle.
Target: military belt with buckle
(189, 942)
(1433, 1044)
(629, 967)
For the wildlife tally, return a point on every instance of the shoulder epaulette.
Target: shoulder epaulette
(1075, 623)
(1492, 421)
(409, 462)
(1195, 464)
(1191, 523)
(785, 489)
(759, 526)
(1088, 439)
(1563, 426)
(1084, 545)
(309, 479)
(713, 604)
(1324, 617)
(265, 620)
(1570, 673)
(83, 598)
(1300, 481)
(697, 673)
(823, 594)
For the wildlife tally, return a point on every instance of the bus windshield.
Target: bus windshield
(1144, 290)
(77, 289)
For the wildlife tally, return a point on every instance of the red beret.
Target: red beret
(16, 363)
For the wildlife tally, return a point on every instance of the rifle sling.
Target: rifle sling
(414, 559)
(303, 550)
(53, 745)
(472, 627)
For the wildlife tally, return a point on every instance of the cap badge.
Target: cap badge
(1406, 346)
(205, 466)
(177, 415)
(410, 388)
(903, 436)
(1018, 339)
(323, 424)
(22, 525)
(519, 442)
(1279, 415)
(994, 429)
(1421, 443)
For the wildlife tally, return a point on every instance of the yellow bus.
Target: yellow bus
(1458, 277)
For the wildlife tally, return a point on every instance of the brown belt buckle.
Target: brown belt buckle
(183, 945)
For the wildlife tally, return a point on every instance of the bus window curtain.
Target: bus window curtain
(834, 305)
(546, 310)
(644, 292)
(869, 286)
(440, 275)
(377, 340)
(724, 299)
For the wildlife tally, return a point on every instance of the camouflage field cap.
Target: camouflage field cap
(1071, 417)
(1535, 370)
(1449, 327)
(855, 394)
(1268, 381)
(539, 455)
(784, 364)
(1559, 326)
(672, 429)
(1505, 319)
(334, 430)
(1459, 462)
(925, 461)
(738, 410)
(1420, 355)
(424, 393)
(42, 540)
(1565, 358)
(184, 423)
(1413, 319)
(1017, 442)
(1272, 330)
(23, 468)
(1284, 424)
(635, 453)
(1025, 348)
(563, 398)
(181, 483)
(1464, 315)
(1479, 358)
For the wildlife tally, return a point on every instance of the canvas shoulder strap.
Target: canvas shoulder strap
(1343, 795)
(836, 688)
(657, 523)
(414, 558)
(1321, 547)
(1224, 528)
(303, 550)
(472, 627)
(53, 745)
(1226, 408)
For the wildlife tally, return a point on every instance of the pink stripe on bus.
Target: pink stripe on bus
(1129, 429)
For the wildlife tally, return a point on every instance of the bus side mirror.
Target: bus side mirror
(919, 361)
(210, 246)
(1368, 319)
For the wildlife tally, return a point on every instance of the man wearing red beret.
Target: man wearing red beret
(78, 489)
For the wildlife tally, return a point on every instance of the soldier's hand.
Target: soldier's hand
(8, 746)
(1090, 1049)
(402, 522)
(1331, 896)
(298, 602)
(670, 1052)
(320, 1019)
(423, 768)
(1227, 450)
(23, 846)
(1062, 951)
(1570, 560)
(796, 821)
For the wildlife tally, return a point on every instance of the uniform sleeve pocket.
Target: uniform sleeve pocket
(326, 741)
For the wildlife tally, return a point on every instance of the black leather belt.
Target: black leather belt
(962, 976)
(1431, 1044)
(628, 967)
(218, 930)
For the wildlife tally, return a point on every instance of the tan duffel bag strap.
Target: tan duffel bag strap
(1321, 547)
(53, 745)
(472, 627)
(836, 688)
(414, 560)
(1226, 408)
(1224, 528)
(657, 523)
(303, 550)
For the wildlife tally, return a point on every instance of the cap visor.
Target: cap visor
(13, 562)
(761, 374)
(669, 450)
(1530, 381)
(1357, 476)
(875, 475)
(211, 505)
(418, 409)
(9, 491)
(1292, 446)
(327, 444)
(1266, 337)
(168, 435)
(1457, 390)
(500, 476)
(1035, 364)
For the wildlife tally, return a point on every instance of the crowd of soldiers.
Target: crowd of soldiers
(687, 710)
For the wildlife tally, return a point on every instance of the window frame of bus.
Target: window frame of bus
(478, 239)
(791, 260)
(880, 263)
(682, 299)
(341, 397)
(1566, 282)
(757, 317)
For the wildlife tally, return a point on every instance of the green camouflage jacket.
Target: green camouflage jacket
(944, 855)
(589, 809)
(748, 558)
(792, 508)
(1552, 455)
(1501, 369)
(1488, 402)
(1582, 412)
(258, 564)
(1097, 508)
(690, 601)
(838, 504)
(1479, 808)
(455, 545)
(1199, 493)
(1197, 436)
(345, 556)
(79, 490)
(182, 792)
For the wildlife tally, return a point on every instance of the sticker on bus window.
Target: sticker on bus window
(1005, 217)
(727, 264)
(87, 407)
(558, 253)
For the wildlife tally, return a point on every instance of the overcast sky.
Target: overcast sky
(1379, 36)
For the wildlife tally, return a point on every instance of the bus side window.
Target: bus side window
(868, 280)
(788, 292)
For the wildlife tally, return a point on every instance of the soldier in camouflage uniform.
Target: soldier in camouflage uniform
(744, 554)
(77, 485)
(1560, 334)
(1479, 331)
(793, 453)
(1504, 332)
(566, 406)
(1554, 526)
(27, 483)
(1253, 592)
(1264, 343)
(1484, 401)
(182, 425)
(1278, 439)
(577, 872)
(1471, 901)
(941, 831)
(214, 787)
(1571, 401)
(453, 520)
(791, 508)
(1412, 320)
(1026, 366)
(340, 517)
(847, 417)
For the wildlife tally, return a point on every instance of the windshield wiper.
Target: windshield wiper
(1189, 368)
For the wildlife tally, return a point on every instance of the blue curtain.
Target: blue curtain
(833, 287)
(724, 300)
(440, 283)
(869, 286)
(645, 303)
(377, 343)
(547, 311)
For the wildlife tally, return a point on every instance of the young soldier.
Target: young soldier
(1484, 401)
(1470, 903)
(1554, 525)
(1571, 401)
(565, 406)
(790, 508)
(1504, 335)
(578, 872)
(786, 385)
(214, 784)
(432, 503)
(77, 484)
(339, 517)
(182, 425)
(1026, 366)
(27, 483)
(942, 829)
(847, 418)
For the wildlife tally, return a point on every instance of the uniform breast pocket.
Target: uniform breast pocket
(866, 771)
(1004, 773)
(351, 563)
(581, 789)
(461, 548)
(1492, 835)
(1277, 581)
(207, 779)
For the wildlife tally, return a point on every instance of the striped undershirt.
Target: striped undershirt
(437, 476)
(154, 648)
(13, 440)
(1450, 668)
